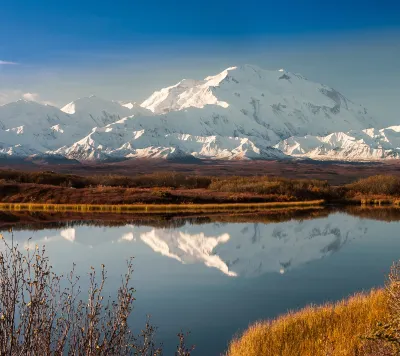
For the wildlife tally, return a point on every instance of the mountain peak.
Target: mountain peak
(95, 105)
(24, 106)
(243, 112)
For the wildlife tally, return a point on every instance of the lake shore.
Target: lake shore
(155, 208)
(340, 328)
(329, 329)
(179, 192)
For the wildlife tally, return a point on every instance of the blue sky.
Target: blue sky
(126, 49)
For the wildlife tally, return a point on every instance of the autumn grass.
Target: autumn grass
(165, 190)
(154, 208)
(332, 329)
(373, 200)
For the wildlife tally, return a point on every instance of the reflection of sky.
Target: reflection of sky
(184, 276)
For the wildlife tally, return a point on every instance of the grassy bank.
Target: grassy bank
(154, 208)
(331, 329)
(362, 325)
(179, 189)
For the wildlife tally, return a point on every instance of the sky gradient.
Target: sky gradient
(55, 52)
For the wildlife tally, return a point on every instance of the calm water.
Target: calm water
(214, 279)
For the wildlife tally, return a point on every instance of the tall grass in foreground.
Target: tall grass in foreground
(40, 317)
(329, 330)
(363, 325)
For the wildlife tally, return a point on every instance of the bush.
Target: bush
(299, 189)
(387, 332)
(167, 179)
(38, 316)
(380, 184)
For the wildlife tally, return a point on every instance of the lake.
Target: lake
(213, 276)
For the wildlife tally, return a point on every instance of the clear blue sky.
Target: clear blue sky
(62, 47)
(36, 29)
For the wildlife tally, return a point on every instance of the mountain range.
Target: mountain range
(241, 113)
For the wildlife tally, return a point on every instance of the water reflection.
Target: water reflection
(236, 250)
(213, 275)
(188, 248)
(249, 250)
(22, 220)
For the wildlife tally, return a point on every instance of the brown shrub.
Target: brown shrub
(40, 317)
(299, 189)
(380, 184)
(163, 179)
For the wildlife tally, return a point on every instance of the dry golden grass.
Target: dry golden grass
(155, 208)
(329, 330)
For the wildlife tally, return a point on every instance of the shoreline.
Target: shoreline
(319, 330)
(155, 208)
(191, 207)
(173, 192)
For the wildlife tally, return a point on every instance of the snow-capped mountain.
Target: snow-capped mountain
(136, 108)
(96, 112)
(241, 113)
(31, 128)
(158, 137)
(370, 144)
(27, 127)
(266, 105)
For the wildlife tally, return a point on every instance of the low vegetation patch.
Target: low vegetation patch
(158, 179)
(385, 185)
(155, 208)
(293, 189)
(178, 188)
(362, 325)
(332, 329)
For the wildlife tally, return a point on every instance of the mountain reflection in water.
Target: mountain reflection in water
(236, 249)
(213, 275)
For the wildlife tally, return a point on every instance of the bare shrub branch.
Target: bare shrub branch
(40, 316)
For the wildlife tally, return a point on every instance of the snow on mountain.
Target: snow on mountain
(369, 144)
(27, 127)
(23, 112)
(96, 112)
(266, 104)
(249, 250)
(156, 137)
(239, 113)
(135, 108)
